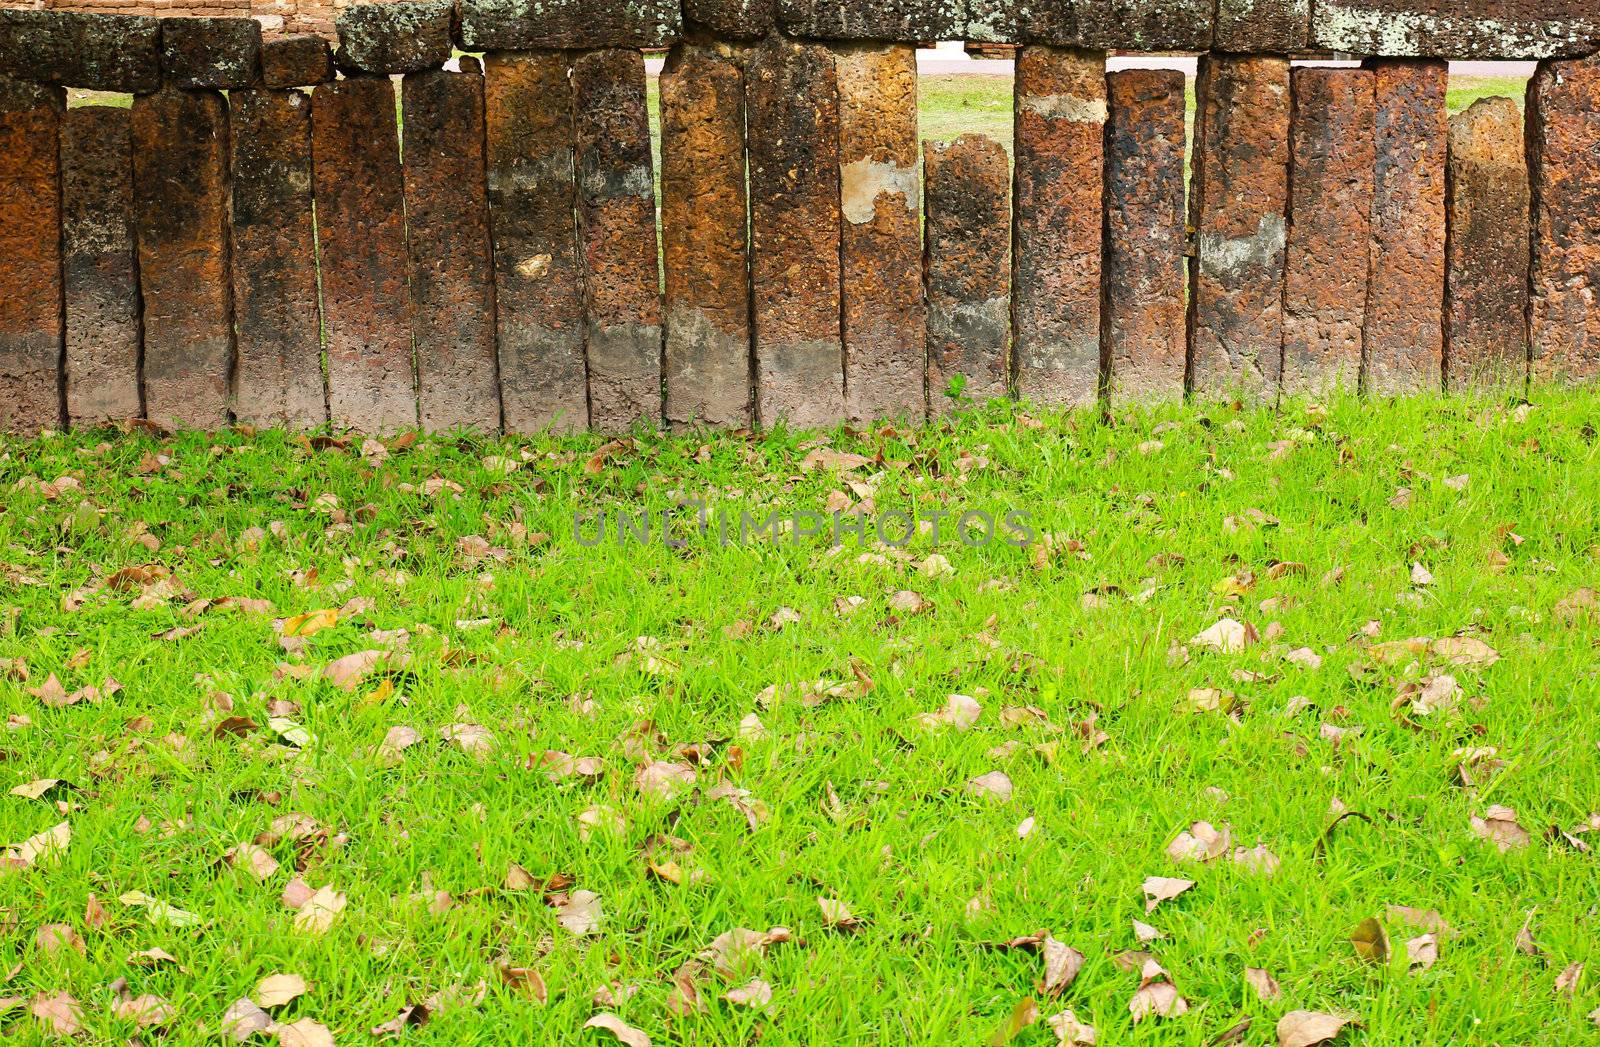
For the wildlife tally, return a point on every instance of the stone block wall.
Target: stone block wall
(259, 239)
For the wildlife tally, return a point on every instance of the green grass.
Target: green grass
(1164, 524)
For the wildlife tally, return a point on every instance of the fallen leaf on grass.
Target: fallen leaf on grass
(1309, 1028)
(960, 711)
(473, 739)
(1201, 842)
(625, 1033)
(663, 780)
(525, 980)
(1226, 636)
(1024, 1014)
(158, 911)
(836, 914)
(1061, 965)
(754, 994)
(320, 911)
(1422, 952)
(146, 1010)
(275, 990)
(38, 789)
(1156, 995)
(1158, 889)
(1567, 981)
(1256, 860)
(1264, 984)
(243, 1019)
(59, 1013)
(1070, 1032)
(1371, 941)
(996, 785)
(304, 1033)
(1423, 919)
(347, 673)
(732, 950)
(52, 937)
(1499, 825)
(579, 912)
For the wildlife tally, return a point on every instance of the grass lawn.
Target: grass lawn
(376, 720)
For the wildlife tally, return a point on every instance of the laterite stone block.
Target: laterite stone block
(101, 272)
(183, 255)
(617, 230)
(452, 268)
(1145, 268)
(296, 61)
(30, 257)
(968, 265)
(1486, 297)
(397, 36)
(278, 373)
(522, 25)
(1328, 260)
(1145, 25)
(538, 278)
(1564, 151)
(1238, 208)
(95, 52)
(1461, 29)
(794, 226)
(1277, 27)
(223, 53)
(366, 302)
(1060, 131)
(903, 21)
(881, 234)
(1405, 304)
(704, 231)
(731, 19)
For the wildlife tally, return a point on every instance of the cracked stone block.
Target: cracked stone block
(296, 61)
(731, 19)
(1328, 258)
(1146, 272)
(1238, 209)
(1144, 25)
(224, 53)
(1460, 29)
(1405, 303)
(521, 25)
(1060, 131)
(1276, 27)
(100, 272)
(902, 21)
(96, 52)
(617, 235)
(794, 233)
(538, 278)
(1564, 154)
(31, 335)
(452, 266)
(704, 233)
(880, 190)
(183, 255)
(1486, 293)
(359, 190)
(968, 264)
(398, 36)
(277, 315)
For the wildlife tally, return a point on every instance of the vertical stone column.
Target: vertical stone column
(102, 275)
(180, 188)
(1060, 169)
(1486, 294)
(1146, 271)
(617, 227)
(794, 230)
(968, 267)
(452, 274)
(362, 234)
(1330, 228)
(705, 239)
(532, 206)
(1405, 303)
(278, 320)
(881, 233)
(1564, 153)
(1238, 201)
(30, 257)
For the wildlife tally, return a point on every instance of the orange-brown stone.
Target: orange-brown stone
(30, 258)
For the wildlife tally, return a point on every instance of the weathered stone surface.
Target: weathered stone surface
(617, 233)
(1263, 26)
(881, 235)
(180, 192)
(1144, 25)
(296, 61)
(1483, 29)
(30, 258)
(101, 273)
(904, 21)
(1060, 127)
(704, 233)
(731, 19)
(1564, 151)
(452, 268)
(1145, 269)
(520, 25)
(1238, 205)
(538, 280)
(968, 250)
(1328, 260)
(794, 233)
(277, 319)
(224, 53)
(396, 36)
(92, 51)
(366, 304)
(1486, 295)
(1405, 303)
